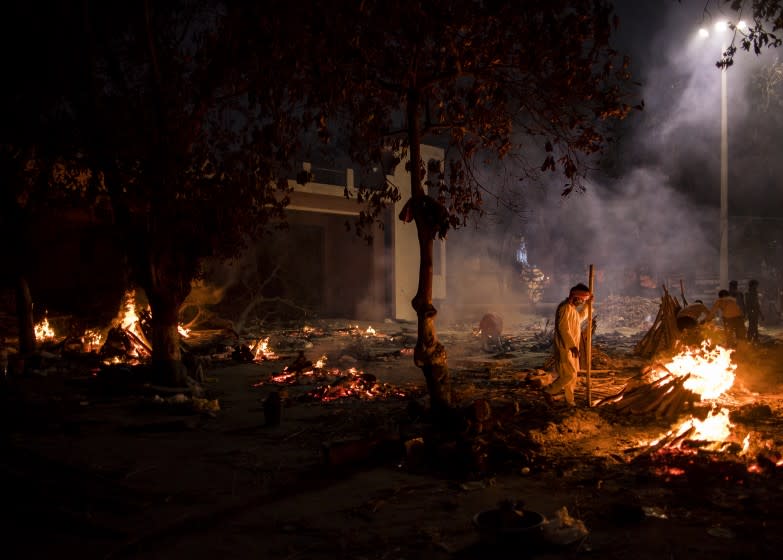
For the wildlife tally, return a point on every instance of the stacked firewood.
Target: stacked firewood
(655, 391)
(664, 332)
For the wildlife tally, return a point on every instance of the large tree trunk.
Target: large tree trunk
(429, 354)
(428, 214)
(166, 288)
(24, 316)
(165, 341)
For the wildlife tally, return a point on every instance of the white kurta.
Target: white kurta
(568, 330)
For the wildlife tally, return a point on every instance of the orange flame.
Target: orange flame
(91, 340)
(129, 318)
(710, 373)
(262, 351)
(43, 331)
(711, 370)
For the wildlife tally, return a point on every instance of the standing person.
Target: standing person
(568, 328)
(753, 310)
(737, 295)
(733, 320)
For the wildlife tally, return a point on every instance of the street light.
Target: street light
(721, 27)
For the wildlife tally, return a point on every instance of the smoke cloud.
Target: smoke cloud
(654, 207)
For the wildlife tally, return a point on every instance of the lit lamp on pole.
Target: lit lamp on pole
(722, 28)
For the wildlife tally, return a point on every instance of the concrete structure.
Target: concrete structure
(358, 280)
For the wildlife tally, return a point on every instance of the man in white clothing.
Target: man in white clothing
(568, 329)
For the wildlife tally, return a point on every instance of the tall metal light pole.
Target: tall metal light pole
(724, 161)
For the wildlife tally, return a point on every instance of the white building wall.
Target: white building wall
(405, 247)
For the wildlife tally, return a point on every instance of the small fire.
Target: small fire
(262, 351)
(129, 317)
(183, 332)
(43, 331)
(354, 330)
(745, 444)
(321, 362)
(130, 322)
(714, 427)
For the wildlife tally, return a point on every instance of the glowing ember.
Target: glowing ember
(91, 340)
(370, 331)
(767, 461)
(334, 383)
(321, 362)
(711, 370)
(43, 331)
(670, 471)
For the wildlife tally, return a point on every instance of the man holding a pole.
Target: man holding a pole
(570, 315)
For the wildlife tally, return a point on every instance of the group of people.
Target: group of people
(732, 306)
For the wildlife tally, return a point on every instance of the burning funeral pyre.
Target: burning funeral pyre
(664, 389)
(695, 376)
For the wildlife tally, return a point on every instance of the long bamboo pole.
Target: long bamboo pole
(590, 340)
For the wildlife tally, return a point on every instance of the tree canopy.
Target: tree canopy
(175, 118)
(481, 78)
(484, 77)
(757, 25)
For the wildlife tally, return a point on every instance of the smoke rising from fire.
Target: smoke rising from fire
(653, 206)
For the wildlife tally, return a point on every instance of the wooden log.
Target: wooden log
(638, 401)
(630, 391)
(675, 404)
(668, 441)
(645, 400)
(668, 391)
(661, 401)
(138, 341)
(676, 441)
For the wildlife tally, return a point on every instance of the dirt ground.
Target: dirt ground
(96, 463)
